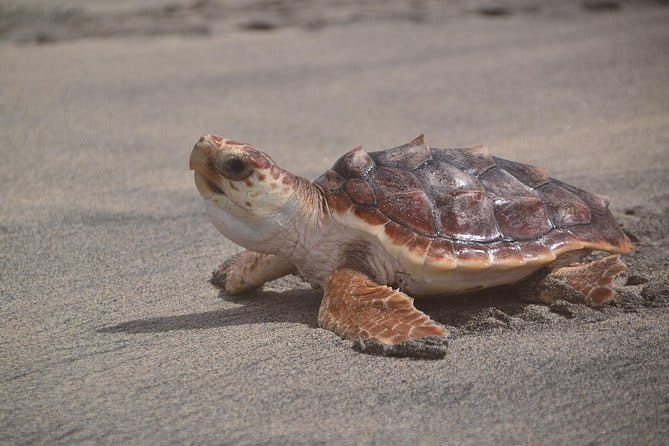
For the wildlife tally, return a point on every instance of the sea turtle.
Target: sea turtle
(409, 219)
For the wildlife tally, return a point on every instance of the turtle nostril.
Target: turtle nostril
(201, 139)
(216, 140)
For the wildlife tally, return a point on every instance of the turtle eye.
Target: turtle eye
(234, 167)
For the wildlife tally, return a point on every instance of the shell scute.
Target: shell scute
(441, 250)
(360, 192)
(522, 218)
(469, 215)
(609, 230)
(474, 160)
(418, 246)
(354, 164)
(414, 253)
(441, 181)
(597, 203)
(330, 180)
(587, 233)
(389, 181)
(471, 255)
(532, 176)
(408, 156)
(561, 240)
(397, 233)
(412, 209)
(339, 201)
(535, 252)
(564, 208)
(370, 215)
(506, 255)
(500, 184)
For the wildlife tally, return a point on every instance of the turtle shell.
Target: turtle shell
(463, 208)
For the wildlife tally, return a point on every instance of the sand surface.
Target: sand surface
(110, 330)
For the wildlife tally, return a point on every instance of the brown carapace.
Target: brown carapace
(466, 204)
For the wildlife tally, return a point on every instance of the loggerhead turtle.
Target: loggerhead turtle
(409, 219)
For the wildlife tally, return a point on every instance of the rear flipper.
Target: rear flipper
(589, 283)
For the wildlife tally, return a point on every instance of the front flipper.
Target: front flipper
(588, 283)
(378, 319)
(248, 270)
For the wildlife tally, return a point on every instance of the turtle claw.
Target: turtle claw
(431, 347)
(220, 275)
(218, 278)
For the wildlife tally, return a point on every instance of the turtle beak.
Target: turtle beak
(203, 151)
(200, 161)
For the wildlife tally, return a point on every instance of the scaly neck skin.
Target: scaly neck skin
(282, 220)
(302, 217)
(318, 244)
(274, 212)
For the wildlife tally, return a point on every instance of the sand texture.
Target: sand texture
(111, 332)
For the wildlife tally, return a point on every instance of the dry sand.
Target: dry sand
(111, 332)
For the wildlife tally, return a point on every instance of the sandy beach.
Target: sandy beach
(111, 332)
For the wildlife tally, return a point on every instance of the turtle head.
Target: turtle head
(248, 197)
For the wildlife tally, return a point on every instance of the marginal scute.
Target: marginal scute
(418, 246)
(398, 234)
(532, 176)
(586, 233)
(536, 252)
(609, 231)
(369, 215)
(339, 201)
(469, 216)
(330, 180)
(412, 209)
(506, 255)
(408, 156)
(522, 218)
(441, 251)
(471, 255)
(501, 184)
(564, 208)
(560, 240)
(360, 192)
(412, 255)
(354, 164)
(474, 160)
(441, 181)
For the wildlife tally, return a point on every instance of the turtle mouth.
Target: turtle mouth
(214, 188)
(207, 187)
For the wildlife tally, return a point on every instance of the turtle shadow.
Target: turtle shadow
(465, 311)
(299, 306)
